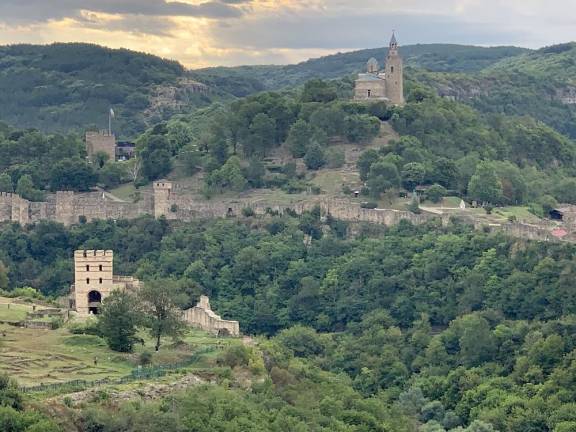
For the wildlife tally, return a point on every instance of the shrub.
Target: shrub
(436, 192)
(335, 158)
(369, 205)
(145, 358)
(248, 212)
(237, 355)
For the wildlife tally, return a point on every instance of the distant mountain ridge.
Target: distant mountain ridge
(432, 57)
(71, 86)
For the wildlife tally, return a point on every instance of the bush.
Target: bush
(335, 158)
(237, 355)
(436, 192)
(248, 212)
(369, 205)
(145, 358)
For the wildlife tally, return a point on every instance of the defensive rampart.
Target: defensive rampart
(166, 200)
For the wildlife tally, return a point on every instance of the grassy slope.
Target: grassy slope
(47, 356)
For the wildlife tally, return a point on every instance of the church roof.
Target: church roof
(369, 77)
(393, 41)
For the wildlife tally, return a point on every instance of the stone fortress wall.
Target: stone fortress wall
(168, 201)
(203, 317)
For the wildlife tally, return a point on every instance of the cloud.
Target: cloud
(230, 32)
(353, 31)
(30, 11)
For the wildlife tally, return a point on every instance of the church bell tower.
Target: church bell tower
(394, 74)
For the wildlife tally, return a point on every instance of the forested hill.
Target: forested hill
(60, 87)
(539, 83)
(63, 87)
(431, 57)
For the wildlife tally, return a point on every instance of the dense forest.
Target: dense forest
(442, 327)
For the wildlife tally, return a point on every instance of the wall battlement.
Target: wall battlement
(167, 200)
(86, 253)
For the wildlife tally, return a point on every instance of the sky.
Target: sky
(201, 33)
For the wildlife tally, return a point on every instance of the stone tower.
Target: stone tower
(162, 194)
(394, 74)
(93, 279)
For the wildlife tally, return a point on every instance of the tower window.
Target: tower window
(369, 93)
(85, 254)
(391, 69)
(100, 281)
(87, 267)
(100, 267)
(87, 281)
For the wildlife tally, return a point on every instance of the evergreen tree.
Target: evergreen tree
(6, 183)
(315, 158)
(299, 138)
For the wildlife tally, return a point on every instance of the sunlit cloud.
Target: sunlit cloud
(228, 32)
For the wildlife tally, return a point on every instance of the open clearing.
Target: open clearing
(35, 356)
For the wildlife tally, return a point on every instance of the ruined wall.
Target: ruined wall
(203, 317)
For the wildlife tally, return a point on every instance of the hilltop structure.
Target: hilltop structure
(94, 280)
(105, 142)
(382, 85)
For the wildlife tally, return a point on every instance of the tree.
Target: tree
(318, 91)
(72, 174)
(6, 183)
(485, 186)
(413, 175)
(25, 188)
(229, 176)
(435, 193)
(162, 315)
(361, 128)
(365, 162)
(112, 174)
(154, 151)
(299, 138)
(383, 176)
(3, 276)
(255, 172)
(119, 319)
(315, 158)
(262, 135)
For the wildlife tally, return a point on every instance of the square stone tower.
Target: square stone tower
(93, 279)
(101, 142)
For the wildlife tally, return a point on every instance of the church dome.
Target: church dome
(372, 66)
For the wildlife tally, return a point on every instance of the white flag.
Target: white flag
(111, 113)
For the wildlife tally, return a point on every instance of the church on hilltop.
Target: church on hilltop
(382, 85)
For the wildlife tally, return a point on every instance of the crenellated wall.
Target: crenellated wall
(167, 200)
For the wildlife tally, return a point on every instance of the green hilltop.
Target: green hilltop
(62, 87)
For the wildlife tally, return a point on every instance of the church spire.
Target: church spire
(393, 41)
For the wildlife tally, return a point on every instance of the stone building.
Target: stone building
(101, 142)
(94, 280)
(105, 142)
(382, 85)
(203, 317)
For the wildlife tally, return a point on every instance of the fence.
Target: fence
(137, 374)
